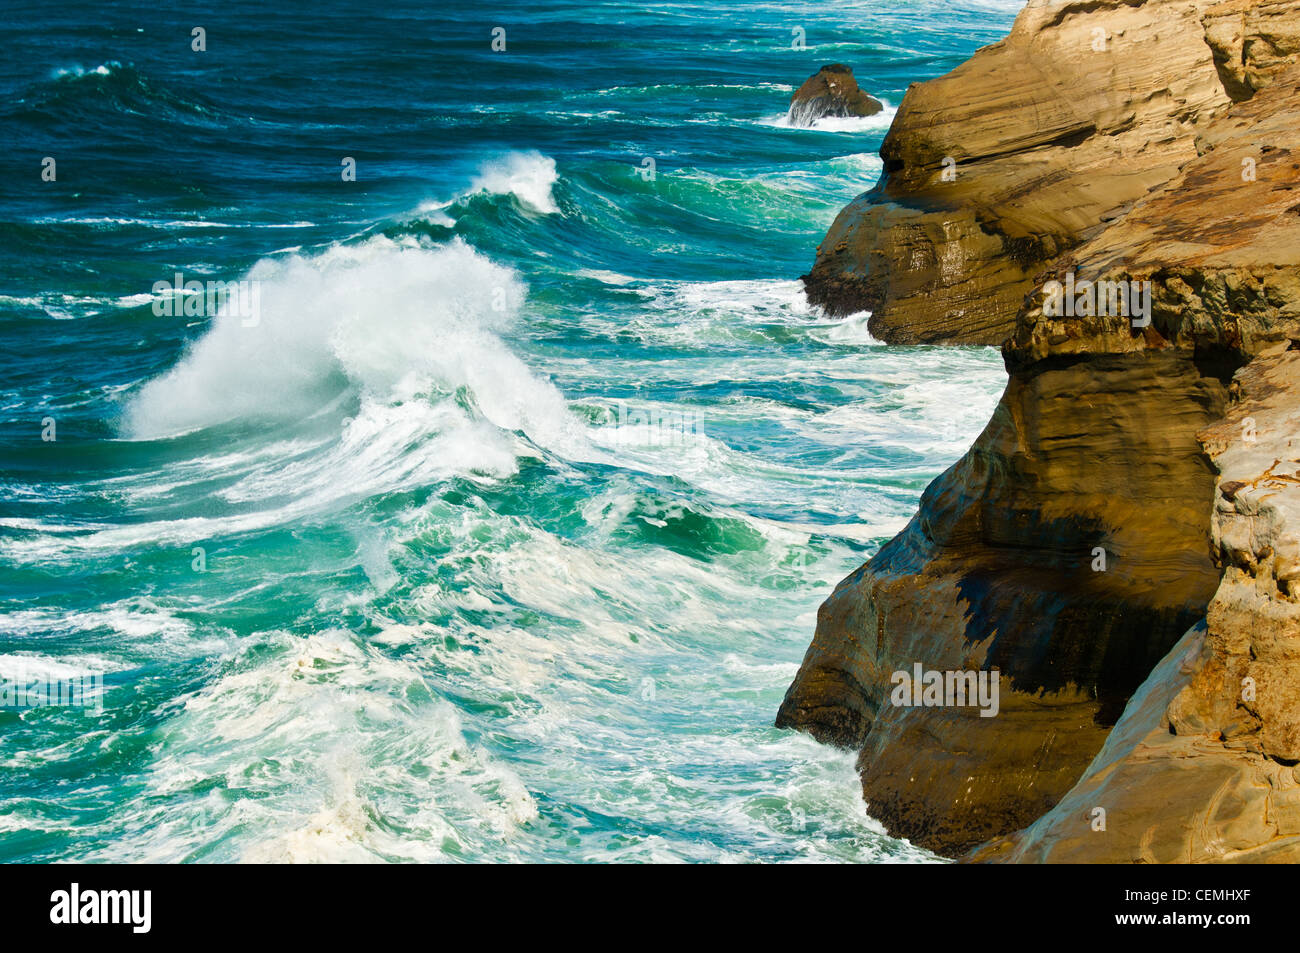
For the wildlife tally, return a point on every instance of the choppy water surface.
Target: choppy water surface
(500, 532)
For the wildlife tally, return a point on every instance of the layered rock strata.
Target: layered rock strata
(1029, 149)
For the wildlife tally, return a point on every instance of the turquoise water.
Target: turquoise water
(501, 530)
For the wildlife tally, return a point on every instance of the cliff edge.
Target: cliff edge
(1079, 544)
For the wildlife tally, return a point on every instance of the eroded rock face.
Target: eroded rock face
(831, 91)
(996, 571)
(1202, 767)
(1252, 41)
(1029, 149)
(1092, 449)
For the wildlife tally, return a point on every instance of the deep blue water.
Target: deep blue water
(499, 529)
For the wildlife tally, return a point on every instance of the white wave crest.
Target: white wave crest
(76, 72)
(528, 176)
(386, 319)
(880, 122)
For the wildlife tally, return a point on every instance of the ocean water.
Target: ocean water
(497, 529)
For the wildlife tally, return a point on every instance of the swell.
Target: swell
(106, 95)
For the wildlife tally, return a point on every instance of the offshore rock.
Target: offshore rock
(831, 91)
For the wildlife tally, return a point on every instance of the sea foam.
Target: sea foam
(528, 176)
(384, 319)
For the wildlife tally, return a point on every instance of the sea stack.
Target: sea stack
(1121, 544)
(831, 91)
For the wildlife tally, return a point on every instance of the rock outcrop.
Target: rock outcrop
(1252, 41)
(831, 91)
(1203, 765)
(1029, 149)
(1073, 546)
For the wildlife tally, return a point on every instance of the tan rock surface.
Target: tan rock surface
(1029, 149)
(1202, 767)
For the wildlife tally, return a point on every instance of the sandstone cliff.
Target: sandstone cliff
(1030, 148)
(1203, 765)
(1074, 544)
